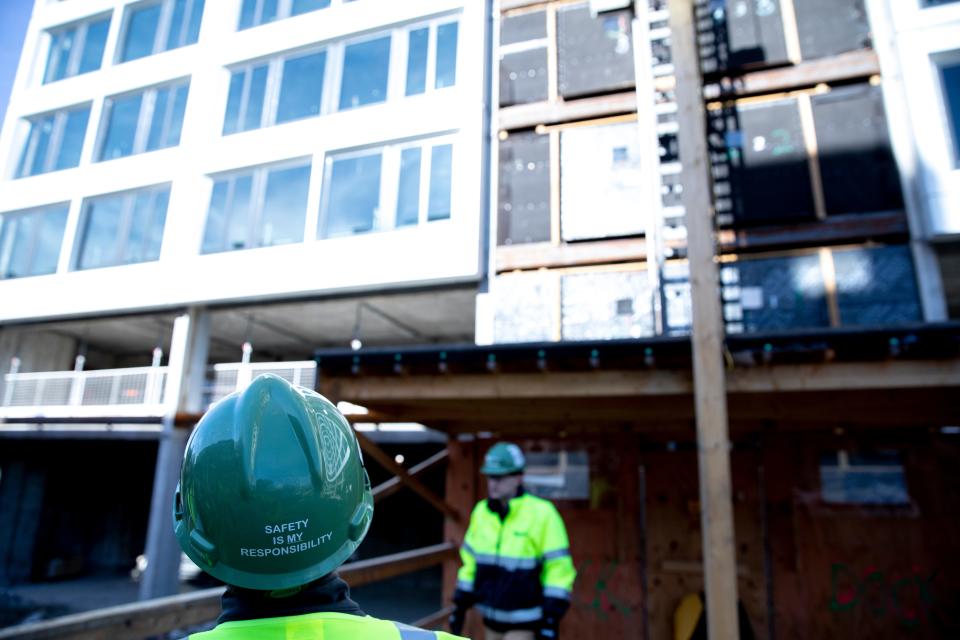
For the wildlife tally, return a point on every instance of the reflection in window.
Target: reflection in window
(54, 142)
(144, 121)
(444, 56)
(30, 241)
(259, 208)
(937, 3)
(76, 49)
(560, 475)
(257, 12)
(301, 90)
(122, 228)
(949, 67)
(867, 479)
(359, 195)
(366, 66)
(155, 27)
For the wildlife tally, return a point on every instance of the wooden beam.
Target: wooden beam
(710, 399)
(378, 454)
(547, 254)
(394, 484)
(434, 619)
(524, 116)
(833, 230)
(154, 617)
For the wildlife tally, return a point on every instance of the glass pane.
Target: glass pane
(193, 27)
(269, 12)
(213, 232)
(231, 122)
(365, 69)
(47, 253)
(122, 128)
(94, 45)
(100, 235)
(441, 170)
(354, 196)
(408, 199)
(258, 85)
(141, 32)
(284, 207)
(175, 32)
(303, 6)
(72, 143)
(302, 87)
(446, 55)
(18, 234)
(417, 61)
(950, 75)
(146, 226)
(167, 117)
(247, 14)
(238, 213)
(161, 106)
(58, 58)
(37, 143)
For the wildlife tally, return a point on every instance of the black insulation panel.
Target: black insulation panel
(595, 54)
(876, 286)
(856, 161)
(829, 27)
(740, 33)
(523, 203)
(523, 77)
(523, 27)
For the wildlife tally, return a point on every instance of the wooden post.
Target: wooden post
(720, 571)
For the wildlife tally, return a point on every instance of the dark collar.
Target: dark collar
(502, 508)
(328, 594)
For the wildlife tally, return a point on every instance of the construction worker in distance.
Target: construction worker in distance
(517, 568)
(273, 497)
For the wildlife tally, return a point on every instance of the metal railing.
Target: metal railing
(134, 391)
(228, 377)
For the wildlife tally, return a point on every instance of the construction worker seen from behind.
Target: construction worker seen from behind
(517, 568)
(273, 498)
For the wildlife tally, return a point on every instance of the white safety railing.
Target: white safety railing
(131, 391)
(226, 378)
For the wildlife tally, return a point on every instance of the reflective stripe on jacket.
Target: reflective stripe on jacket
(319, 626)
(511, 565)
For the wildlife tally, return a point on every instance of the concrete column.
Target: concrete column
(189, 345)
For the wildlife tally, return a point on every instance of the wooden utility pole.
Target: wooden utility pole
(713, 441)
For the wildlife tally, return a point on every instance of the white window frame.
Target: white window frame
(148, 105)
(126, 223)
(76, 50)
(34, 211)
(163, 27)
(385, 218)
(258, 192)
(284, 11)
(433, 25)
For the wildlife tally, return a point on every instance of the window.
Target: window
(443, 59)
(276, 91)
(935, 3)
(54, 142)
(257, 12)
(948, 67)
(865, 479)
(560, 475)
(260, 208)
(30, 241)
(153, 27)
(366, 66)
(143, 121)
(387, 188)
(122, 228)
(76, 49)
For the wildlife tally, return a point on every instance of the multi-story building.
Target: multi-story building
(187, 184)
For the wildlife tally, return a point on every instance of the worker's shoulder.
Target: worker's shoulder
(540, 504)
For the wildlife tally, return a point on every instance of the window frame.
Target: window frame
(28, 150)
(122, 243)
(75, 56)
(284, 11)
(145, 115)
(386, 218)
(34, 241)
(938, 60)
(164, 25)
(259, 178)
(433, 38)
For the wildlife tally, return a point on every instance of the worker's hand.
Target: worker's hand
(456, 620)
(549, 629)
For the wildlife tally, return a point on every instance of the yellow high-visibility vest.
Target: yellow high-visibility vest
(319, 626)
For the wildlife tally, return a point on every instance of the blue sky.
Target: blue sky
(14, 15)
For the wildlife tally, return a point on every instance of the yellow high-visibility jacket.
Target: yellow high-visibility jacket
(510, 566)
(319, 626)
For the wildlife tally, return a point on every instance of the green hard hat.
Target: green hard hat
(503, 458)
(273, 492)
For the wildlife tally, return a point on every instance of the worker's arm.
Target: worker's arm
(463, 596)
(558, 573)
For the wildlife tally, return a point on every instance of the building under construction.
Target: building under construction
(698, 258)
